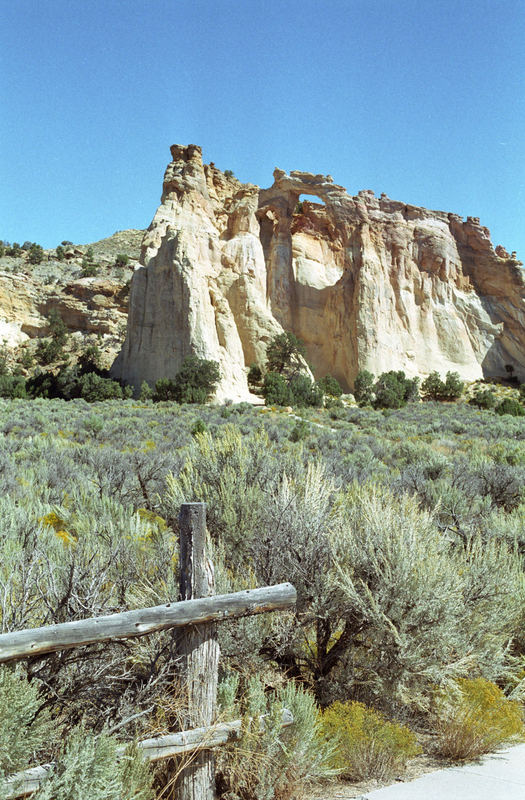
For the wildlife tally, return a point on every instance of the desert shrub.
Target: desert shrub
(229, 173)
(199, 426)
(195, 382)
(15, 250)
(89, 270)
(270, 761)
(22, 730)
(333, 403)
(483, 398)
(453, 386)
(2, 249)
(89, 767)
(254, 375)
(368, 745)
(305, 392)
(474, 717)
(510, 406)
(393, 389)
(433, 388)
(146, 392)
(12, 386)
(90, 359)
(35, 254)
(26, 359)
(276, 390)
(57, 327)
(164, 390)
(300, 431)
(229, 473)
(48, 351)
(121, 260)
(363, 387)
(424, 610)
(92, 387)
(330, 386)
(284, 352)
(60, 253)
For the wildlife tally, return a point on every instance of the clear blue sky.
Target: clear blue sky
(421, 99)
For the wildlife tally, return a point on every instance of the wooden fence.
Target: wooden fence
(194, 619)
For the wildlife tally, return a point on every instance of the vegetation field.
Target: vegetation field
(402, 530)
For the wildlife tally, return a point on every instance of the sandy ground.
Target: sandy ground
(339, 789)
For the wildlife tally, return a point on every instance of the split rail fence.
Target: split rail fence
(196, 615)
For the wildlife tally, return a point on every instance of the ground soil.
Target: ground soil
(339, 789)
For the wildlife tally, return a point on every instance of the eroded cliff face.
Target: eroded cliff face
(366, 282)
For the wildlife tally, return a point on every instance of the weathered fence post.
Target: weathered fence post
(199, 651)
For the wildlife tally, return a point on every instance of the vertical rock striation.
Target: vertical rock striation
(366, 282)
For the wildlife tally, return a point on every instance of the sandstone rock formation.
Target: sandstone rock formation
(90, 307)
(366, 282)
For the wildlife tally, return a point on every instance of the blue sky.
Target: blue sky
(421, 99)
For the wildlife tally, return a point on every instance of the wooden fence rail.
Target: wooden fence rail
(193, 620)
(128, 624)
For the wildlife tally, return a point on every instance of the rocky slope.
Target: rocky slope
(366, 282)
(94, 309)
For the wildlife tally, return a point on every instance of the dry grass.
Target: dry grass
(475, 719)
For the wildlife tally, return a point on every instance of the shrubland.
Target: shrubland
(403, 531)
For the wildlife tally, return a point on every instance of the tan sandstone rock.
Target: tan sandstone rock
(366, 282)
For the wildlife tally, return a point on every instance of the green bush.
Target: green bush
(510, 406)
(393, 389)
(304, 392)
(196, 380)
(276, 391)
(270, 761)
(35, 254)
(48, 351)
(194, 383)
(26, 359)
(60, 253)
(89, 270)
(15, 250)
(89, 767)
(229, 173)
(164, 390)
(91, 359)
(330, 386)
(363, 387)
(254, 375)
(146, 392)
(92, 387)
(483, 398)
(474, 717)
(22, 730)
(300, 431)
(121, 260)
(433, 388)
(13, 386)
(285, 352)
(199, 426)
(368, 745)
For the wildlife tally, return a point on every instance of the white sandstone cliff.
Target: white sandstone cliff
(366, 282)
